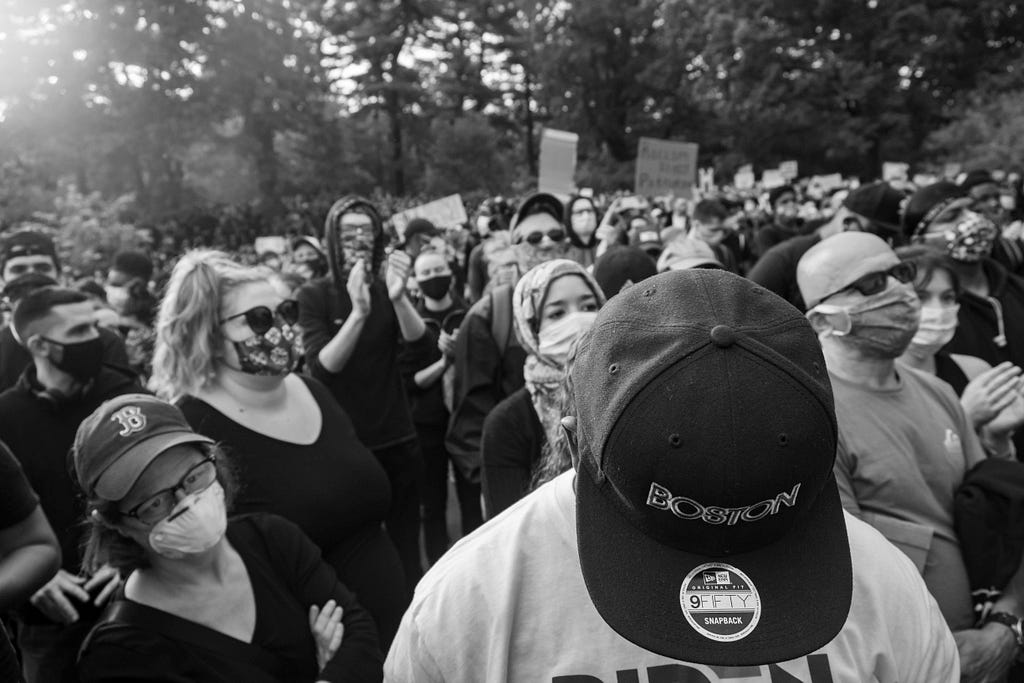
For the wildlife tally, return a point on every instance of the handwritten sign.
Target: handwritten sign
(744, 180)
(557, 162)
(707, 180)
(447, 212)
(789, 170)
(666, 167)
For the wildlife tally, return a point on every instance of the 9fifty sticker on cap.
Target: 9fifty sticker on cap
(720, 602)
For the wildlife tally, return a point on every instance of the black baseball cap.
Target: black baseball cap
(709, 522)
(879, 202)
(118, 441)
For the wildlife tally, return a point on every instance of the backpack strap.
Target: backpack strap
(501, 317)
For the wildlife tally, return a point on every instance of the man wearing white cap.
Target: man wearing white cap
(904, 441)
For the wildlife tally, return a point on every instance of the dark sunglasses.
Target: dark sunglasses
(260, 318)
(874, 283)
(556, 235)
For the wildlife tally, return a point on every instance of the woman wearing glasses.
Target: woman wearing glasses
(226, 347)
(205, 599)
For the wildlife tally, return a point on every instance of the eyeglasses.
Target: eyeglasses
(874, 283)
(260, 318)
(535, 238)
(158, 506)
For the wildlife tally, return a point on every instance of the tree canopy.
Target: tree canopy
(253, 101)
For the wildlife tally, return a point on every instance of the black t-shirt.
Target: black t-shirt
(333, 489)
(369, 387)
(427, 403)
(776, 269)
(512, 445)
(287, 576)
(17, 500)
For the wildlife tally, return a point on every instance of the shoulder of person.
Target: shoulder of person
(971, 366)
(930, 383)
(513, 409)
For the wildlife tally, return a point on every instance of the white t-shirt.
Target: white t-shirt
(508, 603)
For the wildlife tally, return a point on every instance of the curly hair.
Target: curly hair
(187, 326)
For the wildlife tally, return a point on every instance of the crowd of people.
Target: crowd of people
(769, 437)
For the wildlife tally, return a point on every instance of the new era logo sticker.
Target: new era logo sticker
(720, 602)
(131, 418)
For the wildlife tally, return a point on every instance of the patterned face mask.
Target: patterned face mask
(969, 240)
(271, 354)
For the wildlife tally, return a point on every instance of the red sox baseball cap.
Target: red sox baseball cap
(118, 441)
(709, 523)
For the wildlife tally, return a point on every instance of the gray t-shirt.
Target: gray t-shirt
(902, 454)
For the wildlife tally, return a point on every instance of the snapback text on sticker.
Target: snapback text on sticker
(720, 602)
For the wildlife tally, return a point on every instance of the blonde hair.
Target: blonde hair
(188, 325)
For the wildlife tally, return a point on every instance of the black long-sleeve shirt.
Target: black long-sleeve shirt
(512, 445)
(287, 576)
(369, 387)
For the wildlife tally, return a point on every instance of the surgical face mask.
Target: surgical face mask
(117, 296)
(969, 240)
(881, 326)
(556, 337)
(82, 360)
(935, 330)
(195, 525)
(271, 354)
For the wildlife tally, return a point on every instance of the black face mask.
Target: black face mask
(436, 287)
(81, 360)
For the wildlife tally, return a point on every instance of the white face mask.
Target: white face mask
(195, 525)
(117, 296)
(936, 329)
(557, 337)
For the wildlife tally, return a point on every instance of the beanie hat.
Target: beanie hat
(621, 264)
(878, 202)
(776, 193)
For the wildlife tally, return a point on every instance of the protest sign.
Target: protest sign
(447, 212)
(829, 182)
(663, 166)
(772, 178)
(744, 180)
(707, 180)
(894, 170)
(925, 179)
(276, 244)
(557, 162)
(789, 170)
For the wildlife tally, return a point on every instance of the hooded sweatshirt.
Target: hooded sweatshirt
(369, 387)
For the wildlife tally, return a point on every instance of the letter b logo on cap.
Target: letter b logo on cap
(131, 418)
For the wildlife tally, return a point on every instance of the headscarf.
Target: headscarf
(332, 239)
(544, 375)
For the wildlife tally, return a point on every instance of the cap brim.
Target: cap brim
(117, 480)
(804, 581)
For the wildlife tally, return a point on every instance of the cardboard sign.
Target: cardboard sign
(744, 179)
(894, 170)
(772, 178)
(829, 182)
(666, 167)
(706, 180)
(447, 212)
(789, 170)
(557, 162)
(276, 244)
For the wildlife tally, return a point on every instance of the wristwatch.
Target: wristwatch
(1010, 620)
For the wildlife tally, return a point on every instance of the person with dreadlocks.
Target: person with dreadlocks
(352, 321)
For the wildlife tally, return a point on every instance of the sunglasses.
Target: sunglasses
(260, 318)
(556, 235)
(875, 283)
